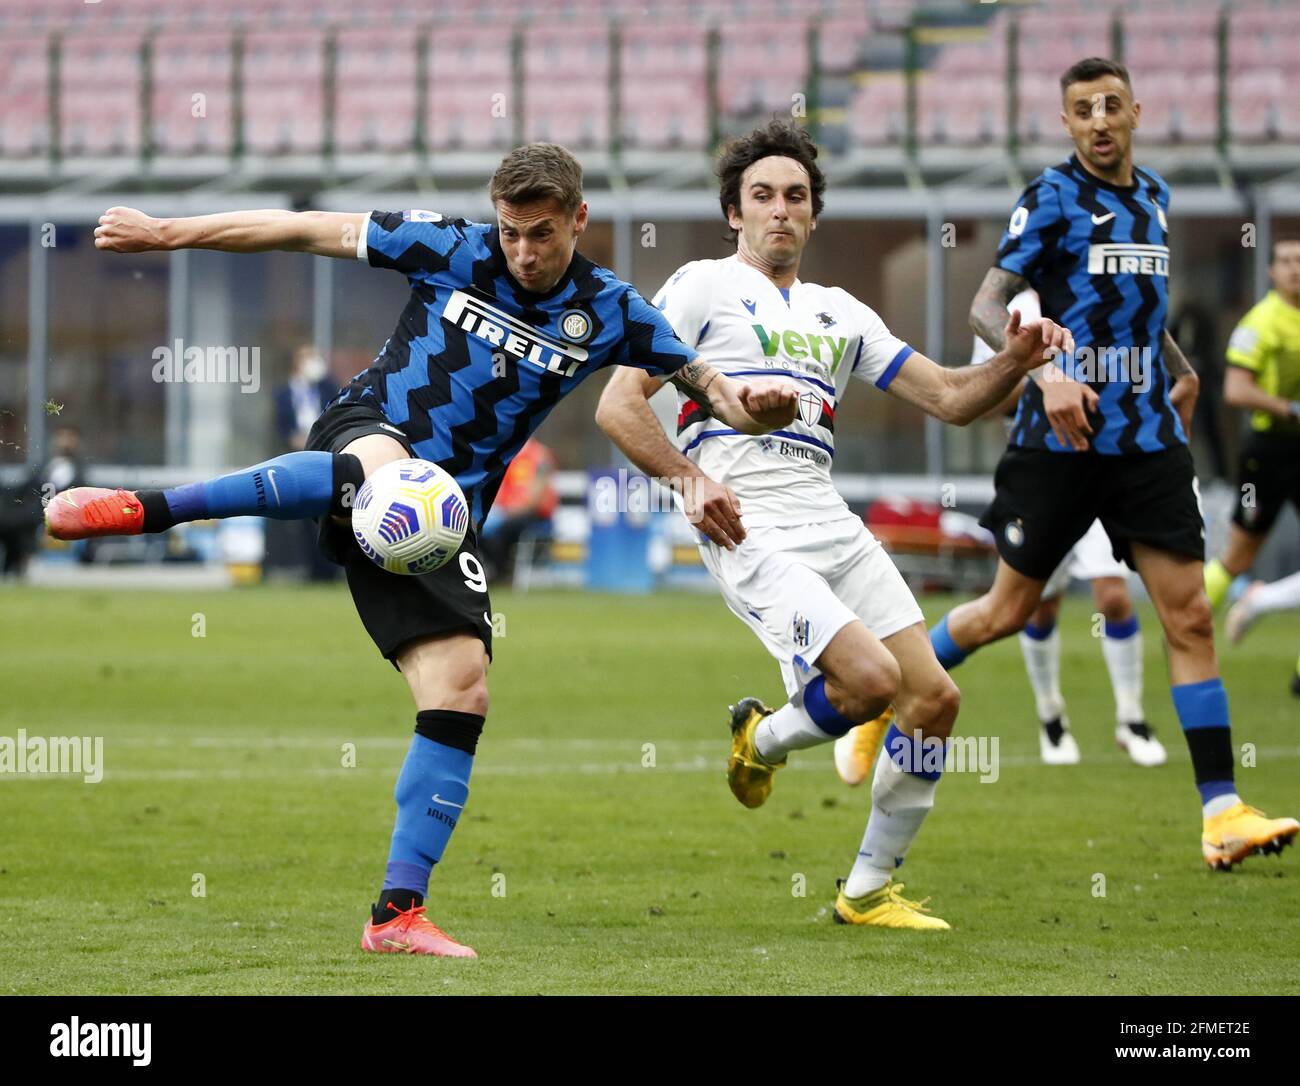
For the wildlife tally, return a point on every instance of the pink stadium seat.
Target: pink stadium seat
(24, 95)
(965, 110)
(575, 115)
(842, 40)
(661, 115)
(1039, 107)
(375, 95)
(99, 89)
(877, 112)
(973, 57)
(1255, 103)
(283, 93)
(463, 117)
(192, 100)
(657, 50)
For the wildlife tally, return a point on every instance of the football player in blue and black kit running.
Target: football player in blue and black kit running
(503, 321)
(1102, 434)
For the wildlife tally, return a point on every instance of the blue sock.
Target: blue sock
(945, 648)
(823, 713)
(1202, 710)
(1034, 633)
(1121, 631)
(431, 792)
(922, 759)
(294, 486)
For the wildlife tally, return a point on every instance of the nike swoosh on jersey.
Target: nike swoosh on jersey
(1097, 220)
(447, 802)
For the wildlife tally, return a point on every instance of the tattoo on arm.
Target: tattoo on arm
(1175, 361)
(694, 380)
(988, 312)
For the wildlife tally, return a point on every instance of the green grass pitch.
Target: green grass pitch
(577, 867)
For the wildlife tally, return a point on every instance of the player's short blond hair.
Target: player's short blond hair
(538, 171)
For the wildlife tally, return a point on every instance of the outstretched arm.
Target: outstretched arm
(624, 414)
(324, 233)
(963, 394)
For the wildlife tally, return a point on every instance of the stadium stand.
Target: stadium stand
(333, 78)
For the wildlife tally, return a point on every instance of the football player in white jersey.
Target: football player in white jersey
(802, 571)
(1093, 560)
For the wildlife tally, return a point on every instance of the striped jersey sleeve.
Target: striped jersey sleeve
(412, 242)
(1031, 237)
(649, 341)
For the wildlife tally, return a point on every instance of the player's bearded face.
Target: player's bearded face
(538, 240)
(1100, 116)
(775, 216)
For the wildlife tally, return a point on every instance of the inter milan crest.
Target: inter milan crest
(810, 408)
(575, 324)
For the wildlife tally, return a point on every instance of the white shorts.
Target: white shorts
(1091, 558)
(796, 588)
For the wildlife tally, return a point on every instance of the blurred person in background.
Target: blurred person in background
(526, 502)
(21, 506)
(1194, 330)
(298, 404)
(1264, 375)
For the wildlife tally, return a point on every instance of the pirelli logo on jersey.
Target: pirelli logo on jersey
(1128, 258)
(508, 333)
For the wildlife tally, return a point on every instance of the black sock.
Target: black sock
(1211, 751)
(157, 513)
(380, 913)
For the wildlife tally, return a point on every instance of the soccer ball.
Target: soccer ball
(410, 517)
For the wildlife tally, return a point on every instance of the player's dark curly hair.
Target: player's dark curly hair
(777, 137)
(1090, 68)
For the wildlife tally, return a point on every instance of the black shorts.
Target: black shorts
(1045, 501)
(1268, 476)
(396, 609)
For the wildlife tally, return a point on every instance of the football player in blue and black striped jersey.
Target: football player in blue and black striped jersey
(1102, 433)
(502, 322)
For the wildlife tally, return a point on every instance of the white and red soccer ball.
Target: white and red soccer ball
(410, 517)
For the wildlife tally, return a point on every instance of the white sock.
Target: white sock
(899, 803)
(1043, 663)
(789, 728)
(1219, 804)
(1124, 662)
(1283, 595)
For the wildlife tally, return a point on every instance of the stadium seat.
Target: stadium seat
(24, 95)
(375, 99)
(99, 90)
(877, 111)
(283, 93)
(185, 65)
